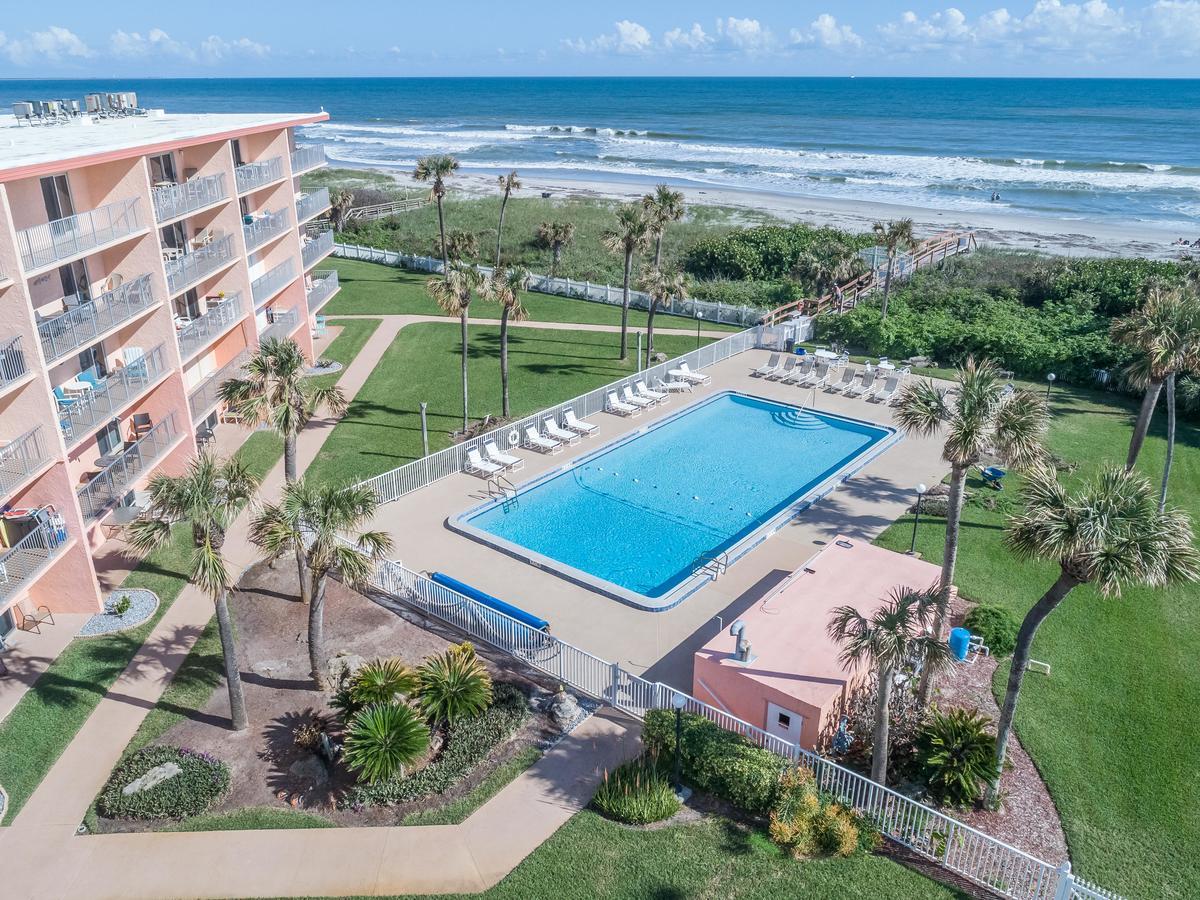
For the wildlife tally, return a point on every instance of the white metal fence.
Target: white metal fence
(721, 313)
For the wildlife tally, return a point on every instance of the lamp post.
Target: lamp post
(921, 489)
(699, 319)
(1050, 379)
(679, 701)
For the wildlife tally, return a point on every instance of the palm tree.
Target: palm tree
(890, 639)
(508, 184)
(461, 244)
(437, 169)
(1109, 533)
(1165, 334)
(312, 519)
(339, 206)
(555, 236)
(276, 393)
(895, 236)
(208, 496)
(830, 266)
(505, 287)
(985, 416)
(628, 236)
(660, 286)
(662, 207)
(453, 294)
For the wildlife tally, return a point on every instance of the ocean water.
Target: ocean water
(639, 515)
(1124, 150)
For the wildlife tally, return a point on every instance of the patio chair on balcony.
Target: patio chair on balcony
(135, 363)
(140, 426)
(202, 239)
(64, 401)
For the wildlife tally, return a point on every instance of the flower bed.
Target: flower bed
(199, 781)
(119, 613)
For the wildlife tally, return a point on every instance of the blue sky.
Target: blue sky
(528, 37)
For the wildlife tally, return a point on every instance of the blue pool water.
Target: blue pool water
(638, 514)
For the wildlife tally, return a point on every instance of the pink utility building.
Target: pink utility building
(792, 683)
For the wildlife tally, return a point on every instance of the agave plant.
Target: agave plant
(454, 685)
(957, 751)
(383, 739)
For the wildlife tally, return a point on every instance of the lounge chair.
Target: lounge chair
(64, 402)
(789, 366)
(629, 396)
(846, 379)
(500, 458)
(576, 425)
(645, 392)
(688, 375)
(551, 430)
(770, 367)
(887, 393)
(477, 465)
(673, 386)
(535, 441)
(802, 370)
(860, 388)
(819, 378)
(619, 408)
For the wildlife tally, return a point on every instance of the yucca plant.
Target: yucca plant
(454, 685)
(957, 752)
(383, 681)
(383, 739)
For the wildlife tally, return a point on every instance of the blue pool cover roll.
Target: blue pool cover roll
(489, 601)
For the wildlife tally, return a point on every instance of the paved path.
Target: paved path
(412, 319)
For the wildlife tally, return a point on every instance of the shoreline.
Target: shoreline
(1004, 230)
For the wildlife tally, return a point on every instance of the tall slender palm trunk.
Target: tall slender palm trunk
(954, 505)
(1166, 477)
(316, 633)
(625, 305)
(650, 331)
(290, 474)
(463, 324)
(442, 235)
(500, 230)
(233, 675)
(887, 287)
(1142, 426)
(504, 310)
(658, 252)
(555, 256)
(883, 703)
(1020, 660)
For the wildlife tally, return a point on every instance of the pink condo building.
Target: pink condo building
(142, 259)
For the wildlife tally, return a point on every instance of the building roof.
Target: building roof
(30, 150)
(793, 654)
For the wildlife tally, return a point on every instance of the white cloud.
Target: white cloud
(694, 38)
(54, 44)
(217, 48)
(824, 31)
(1175, 25)
(748, 35)
(626, 37)
(154, 42)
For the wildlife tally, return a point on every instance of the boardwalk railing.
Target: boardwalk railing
(955, 846)
(721, 313)
(391, 208)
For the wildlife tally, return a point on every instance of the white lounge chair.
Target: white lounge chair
(535, 441)
(477, 465)
(860, 388)
(500, 458)
(618, 408)
(645, 392)
(577, 425)
(552, 431)
(770, 367)
(846, 379)
(803, 369)
(887, 393)
(789, 366)
(688, 375)
(674, 386)
(629, 396)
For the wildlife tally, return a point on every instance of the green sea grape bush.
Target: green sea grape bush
(766, 252)
(202, 780)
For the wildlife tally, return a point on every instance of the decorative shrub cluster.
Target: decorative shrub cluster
(468, 742)
(905, 721)
(957, 753)
(203, 780)
(767, 252)
(806, 823)
(637, 792)
(996, 625)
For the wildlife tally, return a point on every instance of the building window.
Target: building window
(238, 159)
(785, 721)
(91, 361)
(74, 278)
(162, 169)
(188, 306)
(56, 193)
(173, 236)
(108, 438)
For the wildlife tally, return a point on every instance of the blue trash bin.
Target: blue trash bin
(960, 638)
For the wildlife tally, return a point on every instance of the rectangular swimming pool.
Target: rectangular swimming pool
(633, 519)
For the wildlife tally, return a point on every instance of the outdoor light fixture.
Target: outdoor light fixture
(921, 489)
(679, 701)
(699, 319)
(1050, 383)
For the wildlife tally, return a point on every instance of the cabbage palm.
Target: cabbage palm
(505, 287)
(662, 208)
(1109, 533)
(454, 294)
(555, 236)
(461, 244)
(891, 639)
(660, 286)
(982, 418)
(207, 496)
(437, 169)
(831, 265)
(895, 236)
(630, 235)
(508, 184)
(322, 522)
(339, 208)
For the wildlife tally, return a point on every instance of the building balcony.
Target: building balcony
(252, 176)
(305, 158)
(324, 285)
(312, 204)
(24, 561)
(266, 227)
(186, 270)
(13, 364)
(317, 248)
(282, 324)
(203, 330)
(202, 399)
(82, 408)
(136, 459)
(83, 322)
(175, 200)
(64, 239)
(267, 286)
(21, 458)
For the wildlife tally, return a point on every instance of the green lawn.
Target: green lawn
(372, 289)
(252, 818)
(1113, 728)
(459, 810)
(382, 428)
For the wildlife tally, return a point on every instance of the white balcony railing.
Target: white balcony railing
(254, 175)
(270, 284)
(25, 560)
(202, 330)
(22, 457)
(114, 480)
(203, 397)
(312, 204)
(80, 412)
(324, 283)
(316, 248)
(305, 158)
(56, 241)
(185, 271)
(12, 362)
(282, 323)
(83, 322)
(172, 201)
(263, 229)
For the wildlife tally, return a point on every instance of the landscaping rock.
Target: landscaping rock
(152, 778)
(310, 768)
(564, 708)
(343, 665)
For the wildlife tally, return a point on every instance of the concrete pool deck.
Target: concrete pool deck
(659, 645)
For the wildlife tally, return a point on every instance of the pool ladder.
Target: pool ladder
(712, 565)
(499, 487)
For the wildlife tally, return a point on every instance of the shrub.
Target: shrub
(767, 294)
(804, 822)
(996, 625)
(383, 681)
(454, 685)
(905, 721)
(384, 738)
(122, 606)
(307, 734)
(636, 793)
(957, 752)
(765, 252)
(203, 779)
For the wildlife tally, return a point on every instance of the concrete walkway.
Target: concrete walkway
(412, 319)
